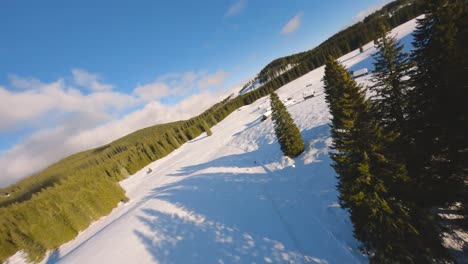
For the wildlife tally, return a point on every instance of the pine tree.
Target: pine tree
(438, 116)
(390, 87)
(289, 136)
(391, 229)
(389, 99)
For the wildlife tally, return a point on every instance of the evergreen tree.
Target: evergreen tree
(286, 130)
(390, 86)
(438, 116)
(391, 229)
(389, 98)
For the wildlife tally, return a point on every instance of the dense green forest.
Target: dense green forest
(403, 151)
(49, 208)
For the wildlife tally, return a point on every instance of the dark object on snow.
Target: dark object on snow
(308, 96)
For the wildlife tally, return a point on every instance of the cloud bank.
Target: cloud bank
(38, 100)
(89, 80)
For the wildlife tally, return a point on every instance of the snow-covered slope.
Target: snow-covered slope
(255, 82)
(233, 197)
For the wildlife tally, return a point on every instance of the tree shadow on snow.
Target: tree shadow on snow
(254, 213)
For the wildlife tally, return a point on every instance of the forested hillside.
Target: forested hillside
(351, 38)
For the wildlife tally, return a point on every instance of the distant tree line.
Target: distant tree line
(404, 150)
(343, 42)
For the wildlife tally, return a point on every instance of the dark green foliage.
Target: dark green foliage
(205, 127)
(389, 100)
(56, 215)
(392, 230)
(438, 117)
(390, 86)
(286, 131)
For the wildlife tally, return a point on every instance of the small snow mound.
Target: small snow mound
(286, 162)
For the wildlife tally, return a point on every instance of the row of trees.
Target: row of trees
(403, 151)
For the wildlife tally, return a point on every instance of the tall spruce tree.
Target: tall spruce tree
(390, 86)
(391, 229)
(289, 136)
(389, 99)
(438, 115)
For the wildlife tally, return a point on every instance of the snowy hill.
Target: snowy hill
(232, 197)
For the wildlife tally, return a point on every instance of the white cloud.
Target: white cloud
(361, 15)
(184, 83)
(21, 108)
(43, 148)
(89, 80)
(189, 78)
(152, 91)
(87, 119)
(212, 80)
(236, 8)
(24, 83)
(179, 84)
(292, 25)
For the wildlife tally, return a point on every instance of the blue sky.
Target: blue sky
(77, 74)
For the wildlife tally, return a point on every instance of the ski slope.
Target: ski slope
(232, 197)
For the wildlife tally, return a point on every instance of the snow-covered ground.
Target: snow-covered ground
(232, 197)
